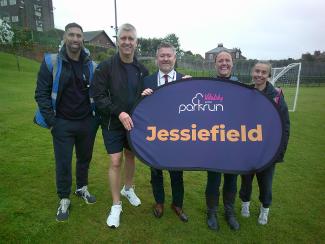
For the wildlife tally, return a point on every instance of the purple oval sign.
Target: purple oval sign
(206, 124)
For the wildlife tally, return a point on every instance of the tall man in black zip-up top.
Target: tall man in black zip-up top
(116, 86)
(72, 123)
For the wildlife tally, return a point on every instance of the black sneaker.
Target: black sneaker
(84, 193)
(63, 210)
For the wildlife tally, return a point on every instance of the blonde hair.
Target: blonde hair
(165, 45)
(222, 51)
(265, 62)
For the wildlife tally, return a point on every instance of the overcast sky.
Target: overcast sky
(271, 29)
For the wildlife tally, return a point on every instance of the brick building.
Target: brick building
(235, 53)
(30, 14)
(98, 39)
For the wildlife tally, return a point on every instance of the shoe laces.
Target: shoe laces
(84, 191)
(116, 210)
(245, 208)
(64, 204)
(264, 215)
(130, 191)
(264, 210)
(263, 218)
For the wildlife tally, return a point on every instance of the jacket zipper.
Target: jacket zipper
(109, 121)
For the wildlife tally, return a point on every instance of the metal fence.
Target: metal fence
(312, 73)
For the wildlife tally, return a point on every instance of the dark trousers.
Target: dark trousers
(66, 135)
(212, 191)
(264, 180)
(177, 185)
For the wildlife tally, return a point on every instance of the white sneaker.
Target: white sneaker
(130, 195)
(245, 209)
(264, 213)
(113, 219)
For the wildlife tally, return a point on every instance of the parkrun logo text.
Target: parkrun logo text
(202, 102)
(216, 133)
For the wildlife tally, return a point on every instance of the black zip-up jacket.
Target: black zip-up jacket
(110, 90)
(271, 92)
(45, 81)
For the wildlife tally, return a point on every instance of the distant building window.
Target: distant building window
(237, 55)
(3, 3)
(7, 19)
(14, 18)
(39, 14)
(210, 56)
(38, 8)
(12, 2)
(39, 25)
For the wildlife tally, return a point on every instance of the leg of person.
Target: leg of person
(212, 199)
(63, 142)
(129, 169)
(157, 184)
(177, 185)
(114, 146)
(229, 195)
(245, 193)
(265, 179)
(84, 149)
(114, 176)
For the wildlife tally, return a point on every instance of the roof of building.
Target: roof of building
(220, 48)
(90, 35)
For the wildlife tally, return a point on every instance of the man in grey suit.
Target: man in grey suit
(166, 59)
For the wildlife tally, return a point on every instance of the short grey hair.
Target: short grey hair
(126, 27)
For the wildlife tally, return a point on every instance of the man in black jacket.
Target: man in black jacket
(71, 121)
(116, 86)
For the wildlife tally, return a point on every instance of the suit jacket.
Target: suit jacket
(152, 83)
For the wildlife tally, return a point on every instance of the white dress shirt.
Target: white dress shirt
(161, 78)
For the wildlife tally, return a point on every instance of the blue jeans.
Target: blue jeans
(264, 180)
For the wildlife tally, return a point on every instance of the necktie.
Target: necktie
(166, 79)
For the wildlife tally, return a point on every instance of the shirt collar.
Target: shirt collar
(170, 74)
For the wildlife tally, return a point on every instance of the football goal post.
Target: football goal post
(288, 78)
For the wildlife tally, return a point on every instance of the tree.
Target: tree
(308, 57)
(148, 47)
(174, 40)
(6, 34)
(189, 56)
(20, 43)
(21, 38)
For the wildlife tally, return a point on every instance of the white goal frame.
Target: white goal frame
(279, 72)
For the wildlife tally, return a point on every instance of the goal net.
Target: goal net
(288, 78)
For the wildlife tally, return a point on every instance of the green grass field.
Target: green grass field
(28, 200)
